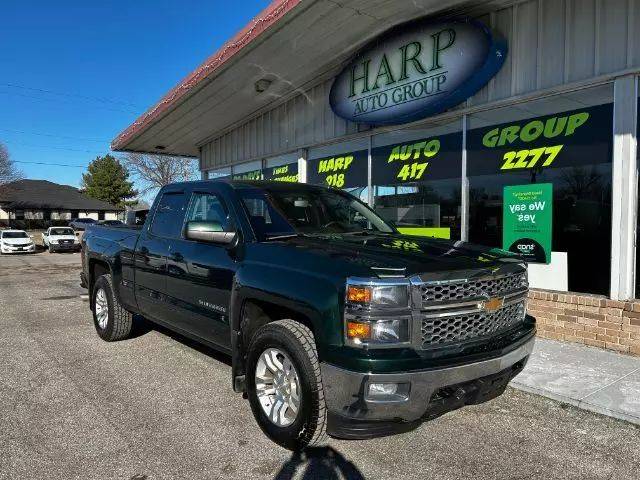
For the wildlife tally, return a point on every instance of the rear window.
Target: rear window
(169, 216)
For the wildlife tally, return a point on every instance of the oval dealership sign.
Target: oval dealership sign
(416, 70)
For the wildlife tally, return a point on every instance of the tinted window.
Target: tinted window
(15, 235)
(308, 211)
(169, 216)
(206, 207)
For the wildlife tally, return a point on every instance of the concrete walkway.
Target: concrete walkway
(589, 378)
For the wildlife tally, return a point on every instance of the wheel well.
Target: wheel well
(257, 313)
(97, 268)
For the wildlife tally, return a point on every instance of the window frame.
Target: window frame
(229, 218)
(157, 209)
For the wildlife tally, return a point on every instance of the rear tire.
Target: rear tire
(295, 345)
(111, 320)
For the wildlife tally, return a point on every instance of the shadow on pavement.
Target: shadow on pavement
(321, 463)
(142, 326)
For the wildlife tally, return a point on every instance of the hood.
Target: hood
(62, 237)
(401, 255)
(17, 241)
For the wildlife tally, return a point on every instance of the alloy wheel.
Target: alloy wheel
(102, 308)
(277, 387)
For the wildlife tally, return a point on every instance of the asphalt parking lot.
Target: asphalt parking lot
(73, 406)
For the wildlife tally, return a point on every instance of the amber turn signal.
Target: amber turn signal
(359, 294)
(358, 330)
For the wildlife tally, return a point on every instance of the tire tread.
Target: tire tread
(316, 435)
(121, 318)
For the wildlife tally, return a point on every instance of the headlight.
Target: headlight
(53, 242)
(379, 332)
(377, 312)
(378, 295)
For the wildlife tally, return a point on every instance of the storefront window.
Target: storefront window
(565, 142)
(416, 178)
(342, 165)
(248, 171)
(219, 173)
(283, 168)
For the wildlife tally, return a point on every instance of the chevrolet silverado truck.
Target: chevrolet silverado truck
(335, 322)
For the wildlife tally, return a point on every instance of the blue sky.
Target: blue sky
(73, 74)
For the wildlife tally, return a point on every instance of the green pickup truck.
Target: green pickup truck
(335, 322)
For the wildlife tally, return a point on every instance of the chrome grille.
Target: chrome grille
(451, 291)
(438, 330)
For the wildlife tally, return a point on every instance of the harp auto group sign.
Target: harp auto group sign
(416, 70)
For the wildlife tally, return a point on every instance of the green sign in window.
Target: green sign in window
(527, 220)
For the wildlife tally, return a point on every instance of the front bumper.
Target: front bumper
(6, 249)
(352, 414)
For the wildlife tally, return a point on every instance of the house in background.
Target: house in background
(40, 204)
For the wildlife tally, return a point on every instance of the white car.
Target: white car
(16, 241)
(60, 239)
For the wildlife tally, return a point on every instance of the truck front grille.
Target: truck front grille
(442, 330)
(454, 291)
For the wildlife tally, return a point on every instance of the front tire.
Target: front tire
(284, 385)
(111, 320)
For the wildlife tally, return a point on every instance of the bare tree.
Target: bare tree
(152, 172)
(8, 170)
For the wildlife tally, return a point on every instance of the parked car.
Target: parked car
(16, 241)
(60, 239)
(112, 223)
(79, 224)
(335, 322)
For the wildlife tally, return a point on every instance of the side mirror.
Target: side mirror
(211, 232)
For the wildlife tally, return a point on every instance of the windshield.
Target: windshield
(61, 231)
(305, 211)
(15, 235)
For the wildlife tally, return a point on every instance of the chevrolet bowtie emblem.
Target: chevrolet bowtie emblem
(493, 304)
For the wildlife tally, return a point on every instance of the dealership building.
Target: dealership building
(511, 124)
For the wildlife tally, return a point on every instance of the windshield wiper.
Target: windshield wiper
(281, 237)
(363, 232)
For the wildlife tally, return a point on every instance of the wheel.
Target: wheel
(49, 248)
(284, 385)
(111, 320)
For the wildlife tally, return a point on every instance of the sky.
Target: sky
(74, 74)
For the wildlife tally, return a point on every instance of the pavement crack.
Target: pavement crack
(608, 385)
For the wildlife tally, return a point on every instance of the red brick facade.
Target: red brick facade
(587, 319)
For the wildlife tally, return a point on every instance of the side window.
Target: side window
(206, 207)
(169, 216)
(263, 220)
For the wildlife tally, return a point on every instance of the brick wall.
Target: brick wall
(587, 319)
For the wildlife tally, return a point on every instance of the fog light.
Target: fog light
(388, 392)
(382, 389)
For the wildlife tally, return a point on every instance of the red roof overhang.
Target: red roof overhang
(265, 19)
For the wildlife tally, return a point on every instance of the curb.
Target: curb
(581, 404)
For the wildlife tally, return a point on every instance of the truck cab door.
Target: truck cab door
(151, 255)
(200, 274)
